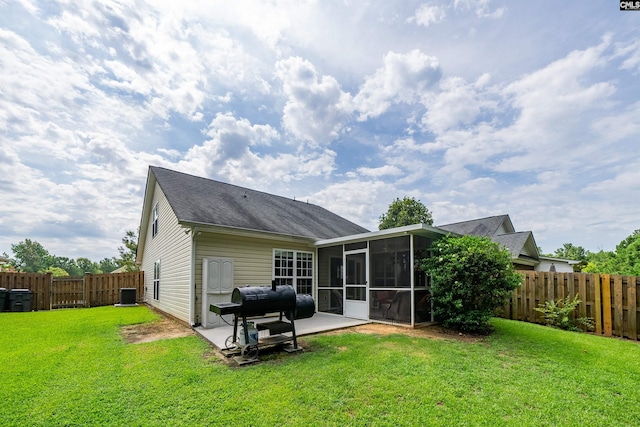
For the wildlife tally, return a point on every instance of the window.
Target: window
(390, 263)
(154, 223)
(295, 269)
(156, 280)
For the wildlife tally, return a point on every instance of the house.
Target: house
(521, 245)
(200, 238)
(559, 265)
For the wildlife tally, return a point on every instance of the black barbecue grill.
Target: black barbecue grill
(257, 301)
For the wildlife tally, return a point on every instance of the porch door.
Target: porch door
(355, 285)
(217, 285)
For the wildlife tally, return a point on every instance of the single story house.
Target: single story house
(200, 238)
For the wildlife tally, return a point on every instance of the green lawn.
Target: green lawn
(71, 367)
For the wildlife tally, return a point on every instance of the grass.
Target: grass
(71, 367)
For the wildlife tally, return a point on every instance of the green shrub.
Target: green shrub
(558, 314)
(470, 277)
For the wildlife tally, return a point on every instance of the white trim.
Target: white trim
(421, 229)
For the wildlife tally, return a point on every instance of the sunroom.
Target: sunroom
(377, 276)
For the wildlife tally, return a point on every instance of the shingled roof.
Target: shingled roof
(499, 229)
(487, 227)
(197, 200)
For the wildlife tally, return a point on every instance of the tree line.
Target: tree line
(625, 259)
(30, 256)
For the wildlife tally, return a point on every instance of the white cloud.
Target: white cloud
(482, 8)
(428, 14)
(402, 78)
(457, 103)
(316, 107)
(348, 104)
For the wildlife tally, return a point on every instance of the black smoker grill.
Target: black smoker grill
(251, 301)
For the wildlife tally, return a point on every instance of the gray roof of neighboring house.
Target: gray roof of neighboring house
(514, 242)
(204, 201)
(478, 227)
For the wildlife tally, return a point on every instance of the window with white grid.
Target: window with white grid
(294, 268)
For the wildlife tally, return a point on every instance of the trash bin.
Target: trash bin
(3, 299)
(20, 299)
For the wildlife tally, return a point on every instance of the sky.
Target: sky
(475, 108)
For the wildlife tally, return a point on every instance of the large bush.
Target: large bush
(470, 277)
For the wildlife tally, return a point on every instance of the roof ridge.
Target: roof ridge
(234, 185)
(475, 219)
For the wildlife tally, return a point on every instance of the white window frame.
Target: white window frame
(155, 214)
(304, 272)
(156, 280)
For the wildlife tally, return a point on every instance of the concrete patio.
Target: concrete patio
(320, 322)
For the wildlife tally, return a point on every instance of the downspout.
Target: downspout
(192, 288)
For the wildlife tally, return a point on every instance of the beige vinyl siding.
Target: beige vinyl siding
(252, 258)
(173, 248)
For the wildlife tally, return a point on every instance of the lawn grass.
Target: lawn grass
(71, 367)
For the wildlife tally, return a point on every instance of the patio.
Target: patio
(320, 322)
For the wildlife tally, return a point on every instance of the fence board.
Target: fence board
(582, 294)
(598, 302)
(633, 309)
(607, 322)
(617, 305)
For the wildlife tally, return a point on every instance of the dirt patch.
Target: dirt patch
(163, 329)
(433, 332)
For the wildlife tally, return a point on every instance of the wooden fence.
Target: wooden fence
(90, 290)
(611, 300)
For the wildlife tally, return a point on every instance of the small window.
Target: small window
(154, 223)
(156, 280)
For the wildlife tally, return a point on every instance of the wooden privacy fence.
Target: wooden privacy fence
(611, 300)
(90, 290)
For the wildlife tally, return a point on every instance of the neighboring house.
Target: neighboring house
(200, 238)
(556, 264)
(522, 245)
(500, 229)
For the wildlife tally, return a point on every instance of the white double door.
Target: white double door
(356, 278)
(217, 285)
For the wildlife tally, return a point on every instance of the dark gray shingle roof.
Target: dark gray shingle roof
(514, 242)
(477, 227)
(205, 201)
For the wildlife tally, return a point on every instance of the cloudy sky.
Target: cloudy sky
(476, 108)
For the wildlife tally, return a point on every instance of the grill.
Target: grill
(256, 301)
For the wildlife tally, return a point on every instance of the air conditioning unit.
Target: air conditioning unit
(127, 297)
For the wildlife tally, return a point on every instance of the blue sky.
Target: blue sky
(476, 108)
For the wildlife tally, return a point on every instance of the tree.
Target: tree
(471, 276)
(407, 211)
(67, 264)
(600, 262)
(577, 253)
(627, 258)
(107, 265)
(56, 272)
(128, 252)
(88, 266)
(30, 256)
